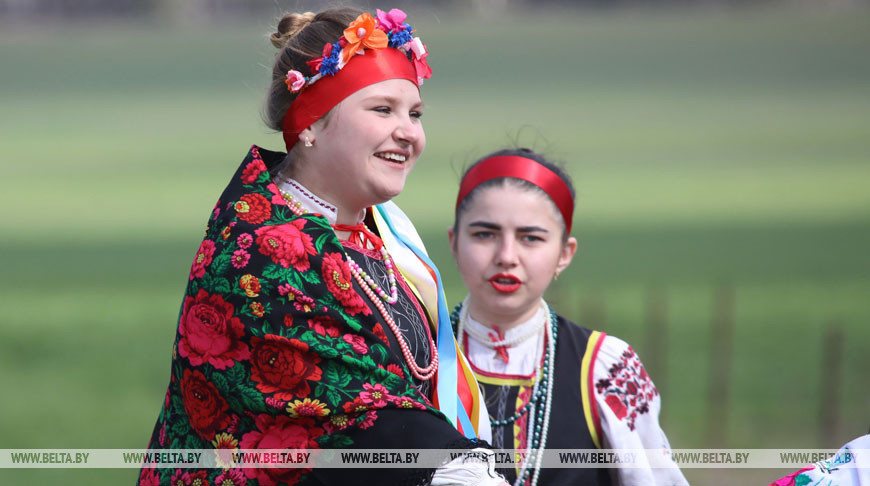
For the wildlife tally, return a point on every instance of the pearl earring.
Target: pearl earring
(308, 142)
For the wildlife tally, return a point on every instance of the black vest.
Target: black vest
(569, 426)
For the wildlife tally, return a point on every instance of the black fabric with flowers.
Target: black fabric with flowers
(407, 312)
(276, 348)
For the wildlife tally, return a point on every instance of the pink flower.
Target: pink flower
(240, 258)
(407, 402)
(245, 240)
(300, 301)
(366, 420)
(274, 402)
(357, 342)
(277, 197)
(184, 478)
(394, 19)
(416, 45)
(295, 80)
(231, 476)
(202, 259)
(377, 394)
(420, 62)
(790, 479)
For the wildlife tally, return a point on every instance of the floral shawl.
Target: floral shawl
(276, 349)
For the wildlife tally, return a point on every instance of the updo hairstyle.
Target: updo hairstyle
(520, 183)
(300, 37)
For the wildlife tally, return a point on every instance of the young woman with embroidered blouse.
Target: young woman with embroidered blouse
(313, 318)
(547, 383)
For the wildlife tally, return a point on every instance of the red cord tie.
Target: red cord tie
(501, 350)
(360, 235)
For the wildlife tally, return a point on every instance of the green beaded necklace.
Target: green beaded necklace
(541, 399)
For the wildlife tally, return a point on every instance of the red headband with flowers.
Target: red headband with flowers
(525, 169)
(370, 51)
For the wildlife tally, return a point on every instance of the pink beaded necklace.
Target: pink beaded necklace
(369, 286)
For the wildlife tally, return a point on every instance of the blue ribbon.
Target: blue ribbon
(447, 359)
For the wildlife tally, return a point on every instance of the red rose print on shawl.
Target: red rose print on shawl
(253, 208)
(357, 342)
(210, 333)
(253, 170)
(337, 276)
(628, 389)
(149, 477)
(286, 244)
(202, 259)
(283, 366)
(325, 326)
(280, 432)
(379, 332)
(205, 407)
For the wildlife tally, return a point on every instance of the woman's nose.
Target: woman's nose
(507, 253)
(408, 131)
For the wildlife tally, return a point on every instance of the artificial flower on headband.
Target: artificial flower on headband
(362, 33)
(366, 32)
(295, 80)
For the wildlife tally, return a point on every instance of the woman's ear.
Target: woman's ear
(306, 137)
(567, 254)
(451, 238)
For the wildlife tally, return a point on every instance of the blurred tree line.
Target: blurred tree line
(209, 10)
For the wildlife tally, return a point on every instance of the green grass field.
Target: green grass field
(709, 148)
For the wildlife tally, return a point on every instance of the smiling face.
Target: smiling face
(365, 149)
(508, 246)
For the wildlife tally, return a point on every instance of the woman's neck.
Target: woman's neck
(322, 199)
(502, 320)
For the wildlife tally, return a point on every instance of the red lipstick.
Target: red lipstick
(505, 283)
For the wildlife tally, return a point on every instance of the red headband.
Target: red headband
(373, 66)
(524, 169)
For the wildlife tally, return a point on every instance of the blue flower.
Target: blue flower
(399, 38)
(330, 65)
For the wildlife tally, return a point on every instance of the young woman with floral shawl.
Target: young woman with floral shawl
(313, 318)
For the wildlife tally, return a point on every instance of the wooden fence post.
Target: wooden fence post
(829, 384)
(656, 350)
(592, 312)
(720, 365)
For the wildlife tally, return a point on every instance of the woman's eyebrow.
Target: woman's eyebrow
(532, 229)
(485, 224)
(392, 100)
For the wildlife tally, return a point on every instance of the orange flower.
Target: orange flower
(250, 284)
(257, 309)
(307, 408)
(225, 441)
(362, 33)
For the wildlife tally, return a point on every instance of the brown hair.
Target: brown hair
(299, 38)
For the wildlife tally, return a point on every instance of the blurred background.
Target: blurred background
(721, 151)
